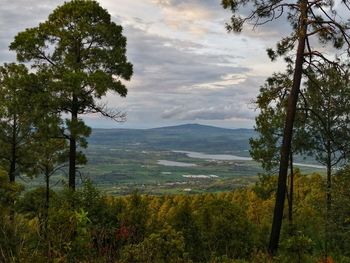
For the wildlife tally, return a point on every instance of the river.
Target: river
(230, 157)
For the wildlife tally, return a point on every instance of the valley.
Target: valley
(188, 158)
(181, 159)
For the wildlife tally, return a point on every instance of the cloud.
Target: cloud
(191, 16)
(186, 67)
(165, 64)
(235, 102)
(234, 111)
(198, 3)
(16, 16)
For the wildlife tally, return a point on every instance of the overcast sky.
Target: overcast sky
(187, 68)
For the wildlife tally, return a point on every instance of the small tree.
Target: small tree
(16, 118)
(321, 126)
(272, 103)
(49, 153)
(326, 102)
(85, 53)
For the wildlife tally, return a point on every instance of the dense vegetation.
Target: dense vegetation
(87, 226)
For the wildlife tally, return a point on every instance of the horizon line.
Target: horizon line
(170, 126)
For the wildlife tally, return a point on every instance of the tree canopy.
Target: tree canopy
(85, 54)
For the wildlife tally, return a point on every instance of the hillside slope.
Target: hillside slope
(191, 137)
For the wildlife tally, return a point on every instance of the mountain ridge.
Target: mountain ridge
(191, 137)
(187, 126)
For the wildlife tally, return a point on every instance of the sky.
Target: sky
(187, 67)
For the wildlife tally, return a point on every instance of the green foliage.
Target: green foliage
(9, 192)
(83, 53)
(16, 118)
(183, 220)
(326, 106)
(297, 248)
(165, 246)
(272, 102)
(134, 219)
(224, 230)
(12, 228)
(86, 226)
(340, 211)
(33, 203)
(320, 128)
(81, 244)
(321, 123)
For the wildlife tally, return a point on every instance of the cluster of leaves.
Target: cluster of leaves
(86, 226)
(321, 122)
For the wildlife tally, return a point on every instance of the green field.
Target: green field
(120, 170)
(121, 161)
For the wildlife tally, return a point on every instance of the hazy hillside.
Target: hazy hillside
(193, 137)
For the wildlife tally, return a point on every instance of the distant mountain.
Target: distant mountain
(192, 127)
(191, 137)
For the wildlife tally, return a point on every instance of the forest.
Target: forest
(67, 64)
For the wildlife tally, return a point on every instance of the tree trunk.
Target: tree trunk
(47, 193)
(288, 133)
(328, 195)
(12, 171)
(47, 205)
(291, 193)
(73, 144)
(329, 175)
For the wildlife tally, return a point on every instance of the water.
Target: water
(177, 164)
(310, 165)
(230, 157)
(217, 157)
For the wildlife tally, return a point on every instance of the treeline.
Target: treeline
(86, 226)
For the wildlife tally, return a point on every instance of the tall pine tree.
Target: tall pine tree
(311, 21)
(85, 52)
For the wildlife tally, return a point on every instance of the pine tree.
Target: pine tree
(311, 21)
(85, 53)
